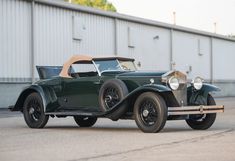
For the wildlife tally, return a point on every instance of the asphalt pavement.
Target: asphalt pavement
(63, 140)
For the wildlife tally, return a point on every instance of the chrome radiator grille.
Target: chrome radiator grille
(181, 95)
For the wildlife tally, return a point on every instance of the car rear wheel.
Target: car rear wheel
(111, 93)
(202, 122)
(85, 121)
(150, 112)
(34, 112)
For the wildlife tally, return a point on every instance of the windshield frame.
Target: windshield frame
(119, 64)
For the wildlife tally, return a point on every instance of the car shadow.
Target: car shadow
(120, 129)
(104, 129)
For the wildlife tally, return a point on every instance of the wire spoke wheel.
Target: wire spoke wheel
(205, 121)
(111, 97)
(150, 112)
(147, 112)
(34, 112)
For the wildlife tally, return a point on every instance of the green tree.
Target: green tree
(100, 4)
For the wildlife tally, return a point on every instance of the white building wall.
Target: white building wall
(223, 60)
(191, 54)
(15, 41)
(150, 46)
(55, 39)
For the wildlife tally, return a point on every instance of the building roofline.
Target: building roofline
(120, 16)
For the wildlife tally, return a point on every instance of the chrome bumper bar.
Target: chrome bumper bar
(190, 110)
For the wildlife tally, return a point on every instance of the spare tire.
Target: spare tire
(111, 93)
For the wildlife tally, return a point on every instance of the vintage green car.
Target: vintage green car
(88, 88)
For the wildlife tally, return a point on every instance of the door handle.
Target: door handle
(98, 82)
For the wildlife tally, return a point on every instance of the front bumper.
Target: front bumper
(191, 110)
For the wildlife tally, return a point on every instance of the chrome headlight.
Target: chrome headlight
(174, 83)
(197, 83)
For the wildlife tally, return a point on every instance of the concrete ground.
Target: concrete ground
(62, 140)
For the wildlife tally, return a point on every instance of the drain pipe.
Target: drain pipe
(32, 41)
(172, 63)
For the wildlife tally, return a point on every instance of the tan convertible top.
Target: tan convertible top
(82, 58)
(73, 59)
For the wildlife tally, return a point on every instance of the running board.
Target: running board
(190, 110)
(74, 113)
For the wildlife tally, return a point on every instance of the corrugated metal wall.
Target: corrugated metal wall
(54, 36)
(223, 61)
(150, 46)
(60, 33)
(15, 41)
(191, 54)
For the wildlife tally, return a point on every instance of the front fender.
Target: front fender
(156, 87)
(48, 97)
(135, 93)
(150, 87)
(204, 91)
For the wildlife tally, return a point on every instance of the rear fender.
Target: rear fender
(193, 94)
(48, 97)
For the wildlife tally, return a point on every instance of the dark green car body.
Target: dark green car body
(81, 94)
(64, 96)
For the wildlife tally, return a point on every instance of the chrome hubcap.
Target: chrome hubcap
(111, 97)
(145, 113)
(108, 98)
(31, 110)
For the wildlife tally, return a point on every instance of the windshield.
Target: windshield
(115, 65)
(127, 65)
(104, 65)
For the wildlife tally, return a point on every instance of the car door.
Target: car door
(81, 93)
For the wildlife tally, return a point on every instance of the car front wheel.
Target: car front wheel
(202, 122)
(34, 112)
(85, 121)
(150, 112)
